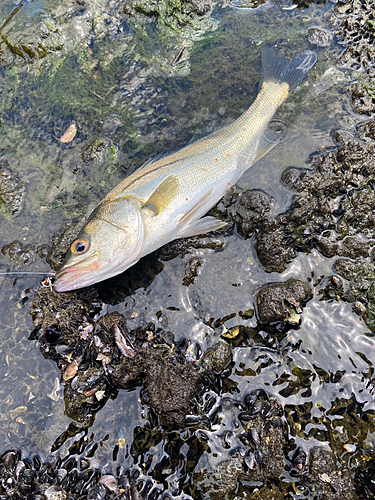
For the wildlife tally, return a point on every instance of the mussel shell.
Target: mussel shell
(97, 492)
(9, 459)
(109, 482)
(60, 475)
(28, 475)
(254, 434)
(250, 461)
(55, 493)
(154, 494)
(37, 463)
(52, 334)
(19, 468)
(299, 459)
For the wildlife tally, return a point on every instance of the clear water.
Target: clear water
(117, 82)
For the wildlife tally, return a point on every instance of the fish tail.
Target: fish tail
(278, 69)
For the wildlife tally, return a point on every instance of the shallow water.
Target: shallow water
(117, 83)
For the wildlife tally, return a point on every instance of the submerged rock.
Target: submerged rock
(21, 254)
(282, 301)
(250, 438)
(330, 480)
(319, 36)
(170, 12)
(12, 193)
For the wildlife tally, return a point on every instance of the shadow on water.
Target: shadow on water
(233, 364)
(141, 275)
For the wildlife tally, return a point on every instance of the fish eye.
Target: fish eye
(80, 245)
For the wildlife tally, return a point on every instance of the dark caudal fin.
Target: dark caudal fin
(277, 68)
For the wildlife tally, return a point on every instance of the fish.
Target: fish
(168, 197)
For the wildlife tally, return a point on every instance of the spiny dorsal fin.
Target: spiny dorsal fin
(163, 195)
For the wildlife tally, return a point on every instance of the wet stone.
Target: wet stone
(274, 248)
(352, 248)
(171, 13)
(282, 302)
(191, 271)
(170, 385)
(355, 28)
(21, 254)
(319, 37)
(217, 358)
(362, 98)
(360, 275)
(246, 209)
(225, 477)
(12, 193)
(330, 481)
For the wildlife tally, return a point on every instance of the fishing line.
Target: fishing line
(32, 273)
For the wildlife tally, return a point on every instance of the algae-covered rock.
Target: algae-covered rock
(171, 12)
(360, 275)
(331, 481)
(356, 27)
(362, 96)
(282, 301)
(170, 385)
(217, 358)
(319, 37)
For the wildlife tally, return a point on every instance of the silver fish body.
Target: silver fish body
(167, 199)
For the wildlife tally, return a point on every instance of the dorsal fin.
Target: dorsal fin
(163, 195)
(156, 158)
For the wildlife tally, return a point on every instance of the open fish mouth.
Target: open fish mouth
(76, 276)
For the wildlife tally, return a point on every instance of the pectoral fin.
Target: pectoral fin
(163, 195)
(202, 226)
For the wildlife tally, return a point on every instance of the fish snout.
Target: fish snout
(76, 276)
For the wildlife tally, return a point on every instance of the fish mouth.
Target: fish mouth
(77, 275)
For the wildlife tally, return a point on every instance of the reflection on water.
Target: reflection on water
(131, 104)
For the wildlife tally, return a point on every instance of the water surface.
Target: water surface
(116, 82)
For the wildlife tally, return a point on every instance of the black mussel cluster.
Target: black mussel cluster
(249, 438)
(59, 479)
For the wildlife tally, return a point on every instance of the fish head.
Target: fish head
(109, 243)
